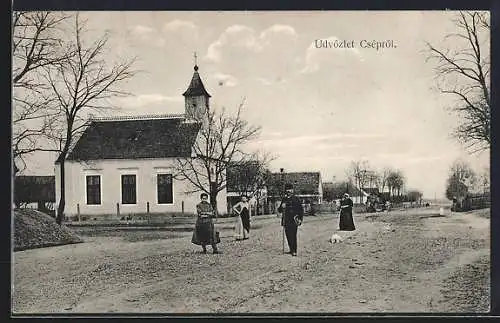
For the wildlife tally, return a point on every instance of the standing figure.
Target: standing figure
(204, 232)
(292, 216)
(346, 221)
(242, 209)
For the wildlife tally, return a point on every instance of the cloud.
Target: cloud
(147, 34)
(244, 37)
(316, 56)
(323, 141)
(237, 36)
(143, 100)
(225, 79)
(141, 30)
(267, 82)
(408, 158)
(178, 24)
(264, 81)
(355, 135)
(181, 32)
(276, 30)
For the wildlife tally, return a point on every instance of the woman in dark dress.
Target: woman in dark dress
(346, 221)
(204, 232)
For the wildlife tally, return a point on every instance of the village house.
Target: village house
(308, 187)
(35, 192)
(125, 165)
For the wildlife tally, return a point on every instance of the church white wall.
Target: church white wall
(146, 171)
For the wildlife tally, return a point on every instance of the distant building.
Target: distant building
(38, 190)
(308, 187)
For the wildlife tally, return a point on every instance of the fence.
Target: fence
(473, 202)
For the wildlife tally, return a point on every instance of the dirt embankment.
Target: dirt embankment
(34, 229)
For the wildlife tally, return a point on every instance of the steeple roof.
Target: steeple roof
(196, 86)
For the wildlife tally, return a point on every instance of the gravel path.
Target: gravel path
(396, 262)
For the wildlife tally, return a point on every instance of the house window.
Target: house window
(129, 192)
(93, 190)
(165, 189)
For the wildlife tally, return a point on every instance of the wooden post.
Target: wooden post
(78, 211)
(118, 209)
(147, 213)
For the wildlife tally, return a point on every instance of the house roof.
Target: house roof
(371, 190)
(129, 139)
(196, 86)
(304, 182)
(339, 188)
(35, 189)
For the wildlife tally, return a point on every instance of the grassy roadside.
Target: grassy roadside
(468, 289)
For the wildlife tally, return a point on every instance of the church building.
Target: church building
(125, 165)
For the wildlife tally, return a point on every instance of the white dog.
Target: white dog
(335, 238)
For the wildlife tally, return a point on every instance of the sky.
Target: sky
(319, 108)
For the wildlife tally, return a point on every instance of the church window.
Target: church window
(93, 189)
(129, 191)
(165, 189)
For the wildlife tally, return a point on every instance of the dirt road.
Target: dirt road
(395, 262)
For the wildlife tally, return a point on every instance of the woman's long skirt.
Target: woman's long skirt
(242, 226)
(238, 228)
(346, 221)
(204, 232)
(245, 220)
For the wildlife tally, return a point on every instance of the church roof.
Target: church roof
(131, 139)
(196, 86)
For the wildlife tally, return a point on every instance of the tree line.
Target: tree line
(390, 183)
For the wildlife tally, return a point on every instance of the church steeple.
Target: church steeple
(196, 97)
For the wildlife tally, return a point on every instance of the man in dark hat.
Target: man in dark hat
(292, 216)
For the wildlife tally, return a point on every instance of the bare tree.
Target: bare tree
(372, 178)
(81, 83)
(464, 73)
(220, 142)
(463, 172)
(382, 178)
(460, 180)
(484, 180)
(250, 175)
(36, 45)
(357, 173)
